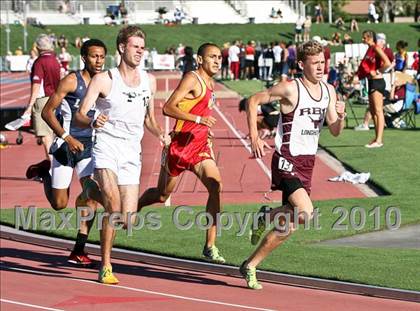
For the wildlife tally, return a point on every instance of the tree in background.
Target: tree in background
(388, 9)
(336, 7)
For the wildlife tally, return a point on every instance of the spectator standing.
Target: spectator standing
(277, 59)
(374, 63)
(242, 64)
(188, 62)
(291, 61)
(65, 59)
(249, 60)
(298, 29)
(45, 77)
(234, 59)
(318, 14)
(307, 28)
(372, 15)
(225, 61)
(33, 55)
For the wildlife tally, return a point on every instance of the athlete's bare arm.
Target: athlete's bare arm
(99, 85)
(150, 120)
(188, 85)
(386, 64)
(335, 113)
(67, 85)
(283, 90)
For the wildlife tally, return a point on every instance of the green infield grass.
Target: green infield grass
(161, 37)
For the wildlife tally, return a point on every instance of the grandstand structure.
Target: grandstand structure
(71, 12)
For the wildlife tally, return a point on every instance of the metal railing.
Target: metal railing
(88, 5)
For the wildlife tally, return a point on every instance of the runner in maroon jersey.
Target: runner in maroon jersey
(304, 105)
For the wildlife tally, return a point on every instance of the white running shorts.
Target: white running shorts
(62, 175)
(120, 155)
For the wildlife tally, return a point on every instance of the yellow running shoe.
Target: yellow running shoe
(106, 276)
(212, 254)
(250, 276)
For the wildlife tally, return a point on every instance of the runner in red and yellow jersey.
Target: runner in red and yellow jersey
(190, 148)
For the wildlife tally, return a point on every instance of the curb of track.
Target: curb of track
(280, 278)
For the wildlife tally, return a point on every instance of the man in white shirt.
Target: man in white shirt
(123, 97)
(277, 59)
(234, 59)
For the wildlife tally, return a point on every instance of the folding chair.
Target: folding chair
(407, 113)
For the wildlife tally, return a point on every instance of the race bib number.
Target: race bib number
(285, 165)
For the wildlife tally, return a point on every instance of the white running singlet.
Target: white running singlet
(125, 106)
(298, 131)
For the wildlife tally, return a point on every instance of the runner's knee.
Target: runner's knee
(305, 214)
(214, 186)
(59, 204)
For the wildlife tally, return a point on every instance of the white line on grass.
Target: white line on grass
(265, 169)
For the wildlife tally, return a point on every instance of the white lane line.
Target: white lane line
(5, 92)
(15, 100)
(265, 169)
(141, 290)
(28, 305)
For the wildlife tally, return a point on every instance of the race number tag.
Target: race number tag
(285, 165)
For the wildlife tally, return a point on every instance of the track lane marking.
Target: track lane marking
(140, 290)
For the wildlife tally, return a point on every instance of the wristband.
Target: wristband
(92, 122)
(342, 118)
(198, 120)
(65, 134)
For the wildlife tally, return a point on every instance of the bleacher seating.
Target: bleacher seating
(145, 11)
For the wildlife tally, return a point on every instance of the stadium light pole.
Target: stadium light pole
(7, 31)
(25, 33)
(329, 12)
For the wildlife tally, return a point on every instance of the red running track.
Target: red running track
(40, 277)
(244, 180)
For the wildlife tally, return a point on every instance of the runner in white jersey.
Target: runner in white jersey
(123, 97)
(304, 105)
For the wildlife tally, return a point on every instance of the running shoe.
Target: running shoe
(361, 127)
(14, 125)
(212, 254)
(257, 231)
(374, 145)
(106, 276)
(79, 259)
(250, 275)
(39, 169)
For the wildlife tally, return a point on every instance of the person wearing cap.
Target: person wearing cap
(45, 77)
